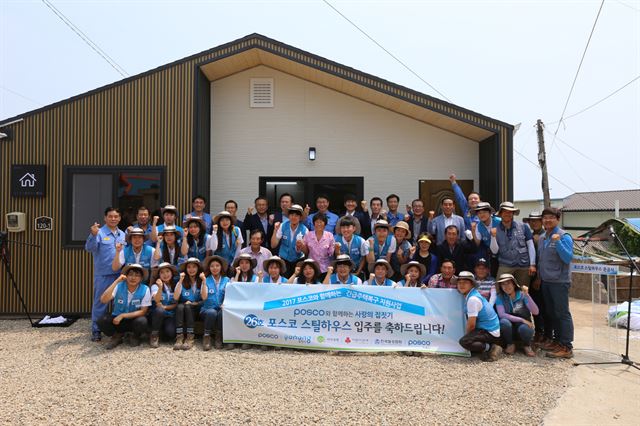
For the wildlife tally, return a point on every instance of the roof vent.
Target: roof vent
(261, 93)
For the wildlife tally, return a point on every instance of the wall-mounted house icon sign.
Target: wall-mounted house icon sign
(28, 180)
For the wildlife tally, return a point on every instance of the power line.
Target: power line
(628, 5)
(86, 39)
(382, 47)
(596, 162)
(21, 96)
(600, 101)
(575, 78)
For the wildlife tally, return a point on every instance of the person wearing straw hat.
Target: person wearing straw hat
(287, 236)
(101, 243)
(131, 300)
(467, 204)
(423, 255)
(136, 251)
(257, 250)
(198, 203)
(231, 206)
(169, 218)
(227, 239)
(447, 218)
(196, 241)
(482, 330)
(482, 235)
(381, 275)
(402, 254)
(306, 272)
(382, 244)
(446, 277)
(163, 321)
(556, 251)
(343, 266)
(515, 306)
(413, 273)
(512, 242)
(167, 248)
(244, 266)
(187, 293)
(212, 294)
(275, 268)
(347, 242)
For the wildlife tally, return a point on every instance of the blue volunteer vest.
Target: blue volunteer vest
(199, 251)
(215, 292)
(267, 279)
(381, 252)
(145, 256)
(354, 253)
(487, 318)
(512, 251)
(288, 242)
(387, 283)
(120, 303)
(192, 294)
(551, 268)
(226, 250)
(353, 280)
(167, 299)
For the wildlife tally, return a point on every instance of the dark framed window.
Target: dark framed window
(89, 190)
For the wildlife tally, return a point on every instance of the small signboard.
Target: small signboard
(594, 269)
(44, 223)
(28, 180)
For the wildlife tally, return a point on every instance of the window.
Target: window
(91, 189)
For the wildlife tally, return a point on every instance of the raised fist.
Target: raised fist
(238, 270)
(407, 278)
(330, 270)
(307, 209)
(371, 243)
(412, 250)
(555, 237)
(215, 228)
(159, 282)
(202, 277)
(250, 211)
(296, 271)
(276, 225)
(122, 277)
(95, 228)
(431, 214)
(260, 275)
(452, 178)
(155, 220)
(372, 277)
(118, 247)
(160, 238)
(182, 275)
(494, 232)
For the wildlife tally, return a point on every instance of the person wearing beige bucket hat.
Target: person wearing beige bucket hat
(131, 301)
(402, 254)
(188, 294)
(227, 239)
(163, 321)
(381, 244)
(196, 241)
(343, 265)
(306, 272)
(275, 267)
(482, 329)
(413, 273)
(512, 242)
(136, 251)
(169, 218)
(212, 293)
(381, 274)
(243, 265)
(515, 307)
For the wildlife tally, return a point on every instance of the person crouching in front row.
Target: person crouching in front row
(187, 293)
(482, 332)
(131, 300)
(212, 294)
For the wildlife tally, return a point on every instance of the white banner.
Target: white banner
(344, 318)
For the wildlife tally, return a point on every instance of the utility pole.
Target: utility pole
(542, 160)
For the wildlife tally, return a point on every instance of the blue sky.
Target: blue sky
(514, 61)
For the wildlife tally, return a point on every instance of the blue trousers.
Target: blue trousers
(100, 284)
(512, 330)
(556, 299)
(212, 320)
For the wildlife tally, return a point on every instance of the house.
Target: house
(234, 121)
(28, 180)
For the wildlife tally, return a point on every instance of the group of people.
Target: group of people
(162, 278)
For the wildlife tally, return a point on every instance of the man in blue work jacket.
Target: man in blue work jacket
(101, 243)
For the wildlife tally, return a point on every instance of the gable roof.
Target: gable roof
(256, 49)
(602, 201)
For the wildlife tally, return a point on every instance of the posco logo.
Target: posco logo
(419, 342)
(252, 321)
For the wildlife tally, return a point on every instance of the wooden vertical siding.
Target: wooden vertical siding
(145, 120)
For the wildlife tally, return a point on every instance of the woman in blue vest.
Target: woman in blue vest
(131, 300)
(351, 244)
(422, 254)
(515, 306)
(167, 248)
(289, 235)
(413, 273)
(136, 251)
(187, 293)
(482, 331)
(243, 266)
(275, 268)
(195, 242)
(212, 294)
(226, 240)
(381, 275)
(402, 254)
(163, 321)
(343, 265)
(306, 272)
(381, 245)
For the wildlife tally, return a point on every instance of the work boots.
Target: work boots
(217, 340)
(115, 340)
(206, 342)
(179, 342)
(188, 342)
(154, 340)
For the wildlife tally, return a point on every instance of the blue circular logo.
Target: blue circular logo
(251, 321)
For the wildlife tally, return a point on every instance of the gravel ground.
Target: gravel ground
(58, 376)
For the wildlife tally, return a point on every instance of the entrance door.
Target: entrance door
(305, 190)
(432, 192)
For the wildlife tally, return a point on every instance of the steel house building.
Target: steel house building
(234, 121)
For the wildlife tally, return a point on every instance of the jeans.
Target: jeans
(542, 320)
(510, 330)
(136, 325)
(99, 309)
(212, 320)
(163, 324)
(556, 299)
(476, 340)
(185, 317)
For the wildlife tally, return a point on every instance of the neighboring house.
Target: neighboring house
(252, 116)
